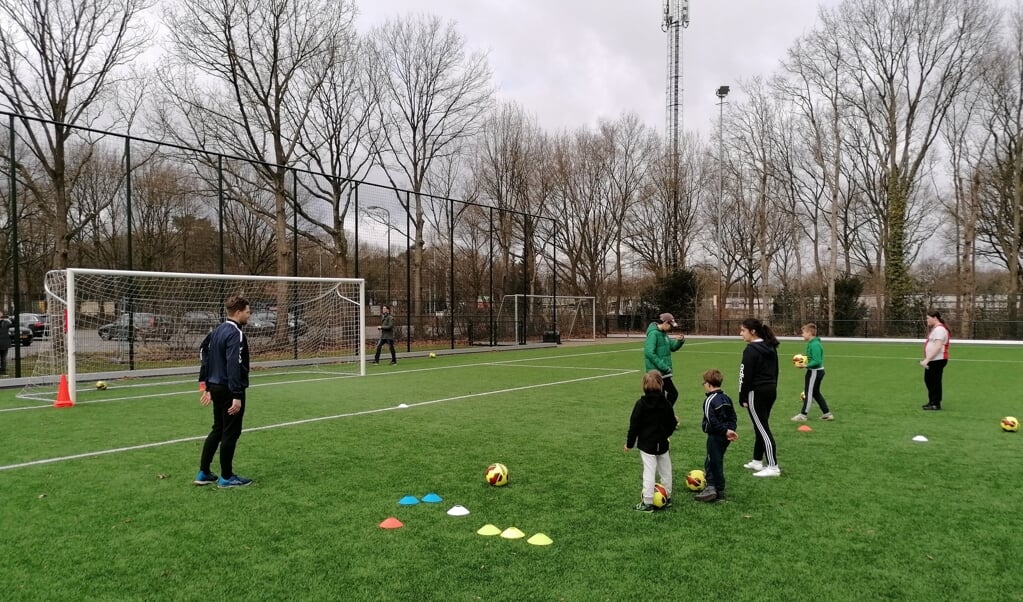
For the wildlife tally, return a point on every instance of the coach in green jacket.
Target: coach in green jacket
(658, 349)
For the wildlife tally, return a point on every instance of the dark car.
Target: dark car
(37, 323)
(199, 321)
(26, 335)
(146, 326)
(268, 320)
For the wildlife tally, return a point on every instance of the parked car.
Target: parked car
(26, 335)
(260, 325)
(37, 323)
(146, 327)
(268, 319)
(199, 321)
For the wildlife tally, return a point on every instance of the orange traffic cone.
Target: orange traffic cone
(63, 395)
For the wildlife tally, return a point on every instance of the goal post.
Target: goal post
(521, 317)
(109, 324)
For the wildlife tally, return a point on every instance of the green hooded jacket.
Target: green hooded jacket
(658, 349)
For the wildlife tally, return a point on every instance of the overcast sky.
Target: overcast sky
(572, 62)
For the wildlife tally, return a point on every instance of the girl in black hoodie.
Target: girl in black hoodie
(652, 422)
(758, 389)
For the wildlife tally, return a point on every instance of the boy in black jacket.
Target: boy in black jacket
(719, 424)
(652, 422)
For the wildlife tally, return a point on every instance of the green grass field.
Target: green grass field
(861, 512)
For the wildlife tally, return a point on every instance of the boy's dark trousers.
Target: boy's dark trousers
(714, 465)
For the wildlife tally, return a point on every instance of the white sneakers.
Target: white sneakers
(799, 418)
(768, 471)
(762, 471)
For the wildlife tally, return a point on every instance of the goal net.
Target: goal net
(521, 318)
(111, 324)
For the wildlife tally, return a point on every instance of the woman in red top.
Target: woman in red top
(935, 358)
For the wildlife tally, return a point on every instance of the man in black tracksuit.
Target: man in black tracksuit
(223, 378)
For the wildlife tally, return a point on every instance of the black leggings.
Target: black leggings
(932, 378)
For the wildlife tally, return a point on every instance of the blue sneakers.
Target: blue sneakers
(234, 481)
(205, 478)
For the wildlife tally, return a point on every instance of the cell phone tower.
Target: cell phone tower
(676, 18)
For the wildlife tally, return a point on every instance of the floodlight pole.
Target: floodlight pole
(722, 92)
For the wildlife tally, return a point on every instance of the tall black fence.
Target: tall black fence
(83, 197)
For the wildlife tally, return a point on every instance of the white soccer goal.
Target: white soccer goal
(521, 317)
(110, 324)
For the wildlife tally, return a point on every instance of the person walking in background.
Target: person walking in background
(386, 329)
(814, 374)
(719, 422)
(650, 425)
(223, 379)
(758, 390)
(935, 358)
(657, 352)
(5, 341)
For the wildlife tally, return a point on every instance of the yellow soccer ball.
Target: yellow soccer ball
(101, 385)
(432, 355)
(696, 480)
(660, 496)
(497, 475)
(799, 360)
(1010, 424)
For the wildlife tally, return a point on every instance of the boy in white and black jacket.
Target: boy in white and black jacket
(719, 422)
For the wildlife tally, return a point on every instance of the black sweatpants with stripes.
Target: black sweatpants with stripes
(759, 402)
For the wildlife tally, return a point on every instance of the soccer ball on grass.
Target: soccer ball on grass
(101, 385)
(660, 496)
(1010, 424)
(432, 355)
(497, 475)
(696, 480)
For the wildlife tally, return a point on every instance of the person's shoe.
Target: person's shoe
(375, 362)
(930, 407)
(799, 418)
(753, 465)
(393, 362)
(205, 478)
(721, 495)
(707, 495)
(234, 481)
(644, 507)
(667, 503)
(768, 471)
(827, 416)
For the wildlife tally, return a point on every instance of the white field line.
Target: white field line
(306, 380)
(308, 421)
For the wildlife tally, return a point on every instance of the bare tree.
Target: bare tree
(1000, 200)
(814, 83)
(61, 61)
(907, 60)
(338, 140)
(262, 65)
(433, 94)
